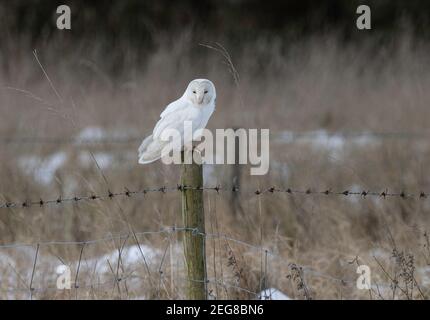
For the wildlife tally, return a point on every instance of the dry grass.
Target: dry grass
(312, 85)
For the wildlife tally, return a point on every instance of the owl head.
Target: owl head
(200, 92)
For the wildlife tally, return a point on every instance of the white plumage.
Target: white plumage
(196, 105)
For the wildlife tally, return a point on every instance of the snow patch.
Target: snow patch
(97, 134)
(91, 134)
(273, 294)
(424, 274)
(104, 159)
(42, 169)
(322, 139)
(329, 141)
(130, 256)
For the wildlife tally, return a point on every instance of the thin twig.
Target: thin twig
(32, 273)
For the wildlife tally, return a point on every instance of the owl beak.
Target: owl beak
(199, 99)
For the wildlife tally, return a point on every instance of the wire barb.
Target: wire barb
(128, 193)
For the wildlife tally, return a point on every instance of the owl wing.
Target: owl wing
(175, 106)
(155, 146)
(173, 117)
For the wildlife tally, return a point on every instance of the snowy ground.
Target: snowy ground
(17, 268)
(43, 169)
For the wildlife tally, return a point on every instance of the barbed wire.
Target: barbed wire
(75, 199)
(128, 194)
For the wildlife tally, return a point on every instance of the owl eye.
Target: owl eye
(194, 91)
(206, 91)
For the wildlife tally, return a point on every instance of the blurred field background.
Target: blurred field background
(347, 110)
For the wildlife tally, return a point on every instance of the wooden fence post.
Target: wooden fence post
(193, 217)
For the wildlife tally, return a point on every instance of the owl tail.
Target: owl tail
(151, 150)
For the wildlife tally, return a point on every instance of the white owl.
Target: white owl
(196, 106)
